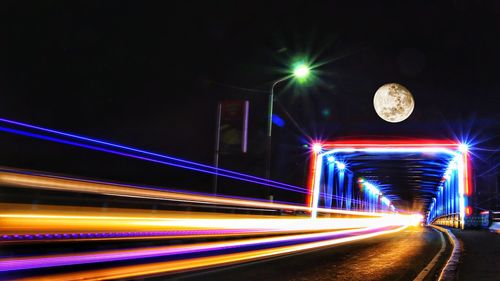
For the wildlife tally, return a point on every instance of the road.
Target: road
(398, 256)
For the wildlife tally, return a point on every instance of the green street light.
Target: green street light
(301, 71)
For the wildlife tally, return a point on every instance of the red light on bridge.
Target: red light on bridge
(468, 210)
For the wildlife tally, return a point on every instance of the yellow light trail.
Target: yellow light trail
(21, 219)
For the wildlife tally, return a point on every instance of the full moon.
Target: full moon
(393, 102)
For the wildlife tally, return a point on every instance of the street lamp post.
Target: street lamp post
(300, 72)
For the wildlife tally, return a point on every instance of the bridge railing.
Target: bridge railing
(449, 220)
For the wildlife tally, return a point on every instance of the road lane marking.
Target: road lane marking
(421, 276)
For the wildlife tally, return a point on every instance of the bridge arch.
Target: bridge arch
(437, 174)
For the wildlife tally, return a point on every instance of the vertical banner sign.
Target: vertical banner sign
(234, 126)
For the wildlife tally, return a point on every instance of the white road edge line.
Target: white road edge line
(434, 260)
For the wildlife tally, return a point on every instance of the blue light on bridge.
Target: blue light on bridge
(448, 206)
(340, 165)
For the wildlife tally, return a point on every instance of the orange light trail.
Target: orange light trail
(19, 220)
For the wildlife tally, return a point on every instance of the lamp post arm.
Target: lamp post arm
(271, 103)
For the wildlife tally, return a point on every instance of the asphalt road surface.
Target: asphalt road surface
(397, 256)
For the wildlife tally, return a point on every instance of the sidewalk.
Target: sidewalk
(480, 259)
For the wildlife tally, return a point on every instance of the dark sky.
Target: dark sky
(150, 74)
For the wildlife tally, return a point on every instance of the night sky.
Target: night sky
(150, 75)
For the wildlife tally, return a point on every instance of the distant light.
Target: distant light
(317, 147)
(463, 148)
(301, 71)
(415, 219)
(331, 159)
(468, 210)
(341, 165)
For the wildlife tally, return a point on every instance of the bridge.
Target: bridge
(382, 201)
(433, 175)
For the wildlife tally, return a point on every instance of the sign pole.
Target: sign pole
(217, 147)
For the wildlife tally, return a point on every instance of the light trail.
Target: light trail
(174, 266)
(197, 168)
(15, 179)
(132, 152)
(316, 233)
